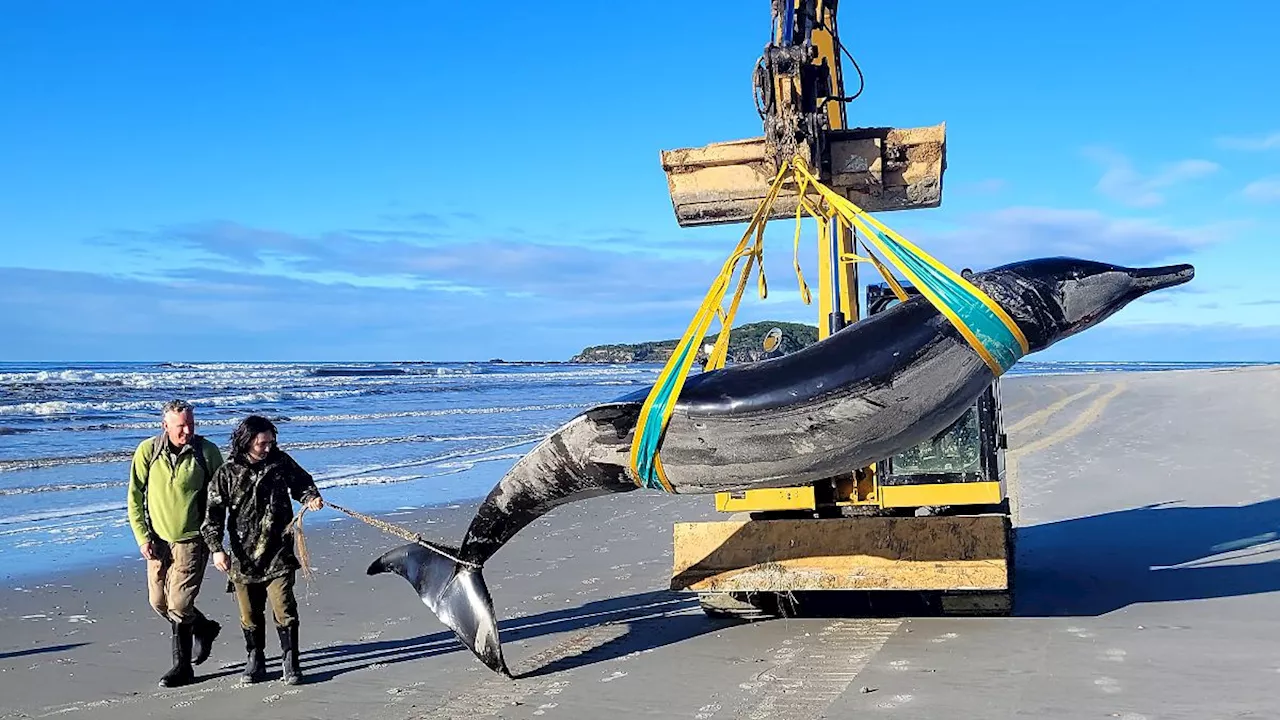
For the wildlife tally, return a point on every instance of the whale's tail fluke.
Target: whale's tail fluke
(561, 469)
(456, 593)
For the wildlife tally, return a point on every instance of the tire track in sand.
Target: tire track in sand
(554, 672)
(1042, 415)
(1082, 421)
(808, 676)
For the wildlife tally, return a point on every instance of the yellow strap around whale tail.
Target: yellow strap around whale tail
(646, 467)
(984, 324)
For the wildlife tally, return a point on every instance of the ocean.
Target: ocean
(377, 437)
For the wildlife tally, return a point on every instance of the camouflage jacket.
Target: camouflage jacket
(252, 502)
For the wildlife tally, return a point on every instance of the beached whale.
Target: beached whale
(869, 391)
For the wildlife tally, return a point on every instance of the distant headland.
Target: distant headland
(746, 344)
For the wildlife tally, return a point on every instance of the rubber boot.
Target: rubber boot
(181, 672)
(255, 666)
(206, 631)
(292, 672)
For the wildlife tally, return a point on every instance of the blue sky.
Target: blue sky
(410, 180)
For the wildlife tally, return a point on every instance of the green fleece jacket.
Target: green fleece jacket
(172, 492)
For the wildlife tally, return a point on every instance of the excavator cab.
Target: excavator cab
(968, 454)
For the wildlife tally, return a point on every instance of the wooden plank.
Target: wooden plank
(861, 553)
(879, 169)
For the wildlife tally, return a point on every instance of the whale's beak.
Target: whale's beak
(1147, 280)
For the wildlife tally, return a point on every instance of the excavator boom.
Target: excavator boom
(800, 97)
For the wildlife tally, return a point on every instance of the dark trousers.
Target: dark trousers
(253, 599)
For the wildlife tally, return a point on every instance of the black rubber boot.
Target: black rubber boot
(292, 673)
(181, 672)
(206, 631)
(255, 666)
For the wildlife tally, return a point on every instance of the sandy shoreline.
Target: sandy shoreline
(1146, 568)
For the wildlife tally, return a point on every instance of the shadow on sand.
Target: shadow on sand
(1098, 564)
(1157, 553)
(653, 619)
(1079, 567)
(39, 650)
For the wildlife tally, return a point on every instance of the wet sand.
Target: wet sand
(1146, 576)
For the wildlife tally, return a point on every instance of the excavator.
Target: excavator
(935, 520)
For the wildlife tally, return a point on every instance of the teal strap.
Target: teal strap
(994, 335)
(653, 429)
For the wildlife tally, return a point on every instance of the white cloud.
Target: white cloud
(1122, 182)
(600, 272)
(1257, 142)
(1019, 233)
(343, 295)
(1264, 190)
(235, 315)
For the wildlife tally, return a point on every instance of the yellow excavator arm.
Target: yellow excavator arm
(860, 530)
(798, 82)
(800, 95)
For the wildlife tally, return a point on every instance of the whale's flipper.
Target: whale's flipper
(455, 593)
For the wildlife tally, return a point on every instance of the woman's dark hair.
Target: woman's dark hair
(245, 432)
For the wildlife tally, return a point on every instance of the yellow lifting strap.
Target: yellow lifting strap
(983, 323)
(989, 330)
(657, 408)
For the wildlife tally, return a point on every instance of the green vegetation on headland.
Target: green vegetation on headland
(746, 344)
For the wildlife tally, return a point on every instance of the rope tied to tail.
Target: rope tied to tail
(300, 542)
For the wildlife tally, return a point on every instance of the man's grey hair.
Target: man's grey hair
(178, 406)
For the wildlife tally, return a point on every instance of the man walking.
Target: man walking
(168, 481)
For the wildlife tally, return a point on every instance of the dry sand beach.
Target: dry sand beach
(1146, 577)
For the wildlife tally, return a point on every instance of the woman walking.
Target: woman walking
(250, 497)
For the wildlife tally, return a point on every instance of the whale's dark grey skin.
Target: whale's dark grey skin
(873, 389)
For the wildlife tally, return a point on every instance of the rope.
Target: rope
(304, 558)
(300, 549)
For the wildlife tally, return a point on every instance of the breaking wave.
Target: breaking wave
(66, 487)
(123, 456)
(280, 419)
(446, 464)
(59, 513)
(68, 407)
